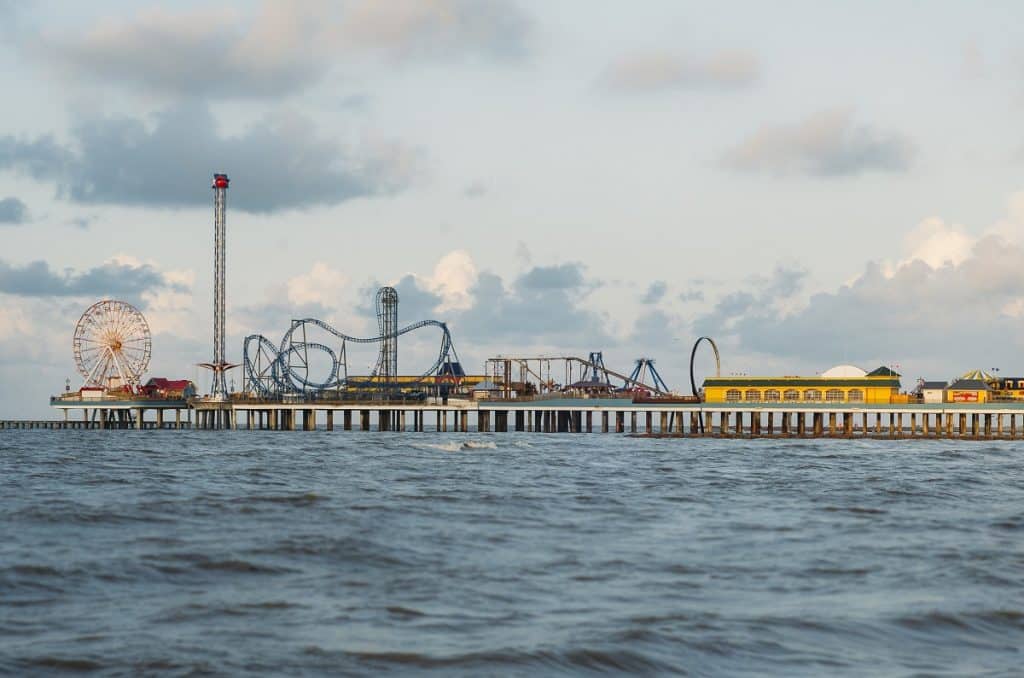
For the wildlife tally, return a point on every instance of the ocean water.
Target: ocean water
(308, 553)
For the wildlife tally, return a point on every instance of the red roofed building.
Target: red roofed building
(169, 388)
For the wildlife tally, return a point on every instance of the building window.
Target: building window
(732, 395)
(791, 394)
(834, 395)
(753, 394)
(855, 396)
(771, 395)
(812, 395)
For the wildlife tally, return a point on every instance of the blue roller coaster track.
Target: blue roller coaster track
(274, 370)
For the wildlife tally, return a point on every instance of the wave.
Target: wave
(444, 447)
(479, 445)
(465, 446)
(572, 660)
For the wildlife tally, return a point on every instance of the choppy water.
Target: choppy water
(523, 554)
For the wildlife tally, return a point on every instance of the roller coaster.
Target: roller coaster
(275, 370)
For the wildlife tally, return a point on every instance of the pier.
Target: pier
(115, 413)
(989, 421)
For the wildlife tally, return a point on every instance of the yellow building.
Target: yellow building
(969, 391)
(841, 384)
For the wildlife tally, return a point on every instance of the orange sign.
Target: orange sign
(965, 396)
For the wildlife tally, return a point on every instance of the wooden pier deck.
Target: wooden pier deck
(989, 421)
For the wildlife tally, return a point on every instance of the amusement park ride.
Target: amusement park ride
(286, 369)
(112, 347)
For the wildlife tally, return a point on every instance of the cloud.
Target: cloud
(919, 311)
(322, 285)
(211, 52)
(543, 306)
(407, 30)
(475, 190)
(691, 295)
(12, 211)
(453, 277)
(277, 163)
(827, 144)
(659, 71)
(414, 302)
(37, 279)
(936, 243)
(954, 303)
(559, 277)
(655, 292)
(768, 293)
(281, 48)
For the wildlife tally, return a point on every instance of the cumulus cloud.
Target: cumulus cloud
(954, 301)
(439, 29)
(544, 305)
(212, 51)
(937, 243)
(277, 163)
(566, 276)
(764, 297)
(322, 285)
(453, 277)
(281, 48)
(658, 71)
(655, 292)
(37, 279)
(12, 212)
(827, 144)
(918, 311)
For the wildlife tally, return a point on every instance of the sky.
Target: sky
(808, 183)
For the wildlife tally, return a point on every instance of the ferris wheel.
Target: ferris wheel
(112, 344)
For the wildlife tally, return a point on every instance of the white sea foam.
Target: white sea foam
(444, 447)
(479, 445)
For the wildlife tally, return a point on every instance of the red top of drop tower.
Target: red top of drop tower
(220, 181)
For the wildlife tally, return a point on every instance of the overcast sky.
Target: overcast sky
(808, 183)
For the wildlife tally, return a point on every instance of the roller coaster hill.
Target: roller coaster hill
(311, 363)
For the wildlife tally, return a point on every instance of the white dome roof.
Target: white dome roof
(843, 371)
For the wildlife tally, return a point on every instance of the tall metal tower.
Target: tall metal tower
(219, 364)
(387, 322)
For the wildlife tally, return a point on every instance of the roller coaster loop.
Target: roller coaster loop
(273, 370)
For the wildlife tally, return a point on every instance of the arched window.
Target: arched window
(753, 394)
(771, 395)
(834, 395)
(732, 395)
(855, 395)
(791, 394)
(812, 395)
